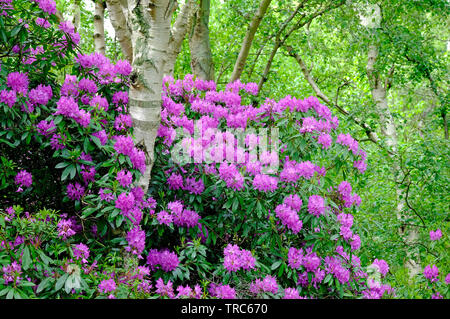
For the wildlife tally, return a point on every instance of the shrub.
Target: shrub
(246, 199)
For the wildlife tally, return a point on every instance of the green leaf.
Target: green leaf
(61, 281)
(10, 294)
(5, 291)
(27, 284)
(275, 265)
(44, 284)
(61, 165)
(66, 171)
(26, 258)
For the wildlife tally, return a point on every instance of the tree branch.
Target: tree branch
(247, 43)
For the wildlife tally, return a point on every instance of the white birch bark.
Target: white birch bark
(150, 31)
(99, 27)
(119, 22)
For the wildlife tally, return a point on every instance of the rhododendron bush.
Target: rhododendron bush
(246, 199)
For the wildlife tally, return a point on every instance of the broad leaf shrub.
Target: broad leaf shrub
(245, 200)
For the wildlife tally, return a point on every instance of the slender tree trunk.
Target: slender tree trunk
(76, 15)
(119, 23)
(389, 130)
(249, 36)
(150, 32)
(201, 57)
(99, 27)
(179, 30)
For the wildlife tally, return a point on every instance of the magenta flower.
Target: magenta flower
(23, 178)
(325, 140)
(11, 273)
(107, 286)
(124, 145)
(316, 205)
(166, 260)
(164, 217)
(18, 82)
(431, 273)
(8, 97)
(65, 229)
(75, 192)
(291, 293)
(382, 266)
(48, 6)
(125, 202)
(136, 241)
(81, 252)
(164, 289)
(435, 235)
(236, 258)
(125, 178)
(222, 291)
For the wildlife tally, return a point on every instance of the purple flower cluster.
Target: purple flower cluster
(431, 273)
(230, 174)
(81, 252)
(163, 259)
(348, 198)
(23, 178)
(75, 191)
(18, 82)
(382, 266)
(136, 241)
(11, 273)
(67, 106)
(316, 205)
(236, 258)
(48, 6)
(66, 228)
(265, 183)
(291, 293)
(268, 284)
(124, 178)
(107, 286)
(289, 217)
(222, 291)
(8, 97)
(182, 217)
(335, 267)
(435, 235)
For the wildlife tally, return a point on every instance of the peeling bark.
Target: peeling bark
(178, 32)
(119, 23)
(150, 32)
(249, 36)
(99, 27)
(201, 57)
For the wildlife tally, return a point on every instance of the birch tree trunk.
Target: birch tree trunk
(201, 56)
(76, 15)
(389, 130)
(178, 32)
(150, 31)
(119, 23)
(99, 27)
(247, 43)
